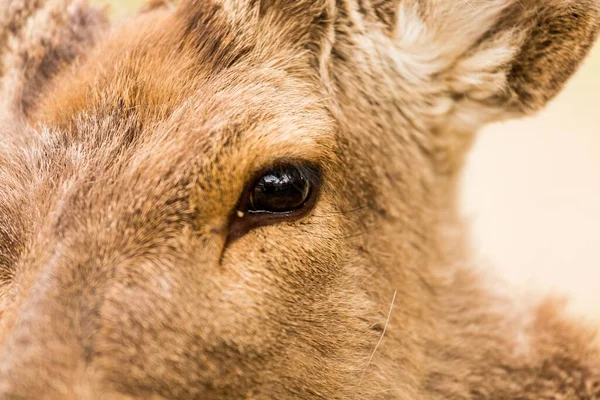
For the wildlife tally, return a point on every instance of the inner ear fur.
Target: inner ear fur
(530, 50)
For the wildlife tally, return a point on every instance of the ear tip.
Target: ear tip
(558, 43)
(584, 13)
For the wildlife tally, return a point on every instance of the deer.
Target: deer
(257, 199)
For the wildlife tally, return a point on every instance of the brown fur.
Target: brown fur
(125, 151)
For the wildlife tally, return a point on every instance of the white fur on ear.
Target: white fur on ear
(439, 32)
(500, 57)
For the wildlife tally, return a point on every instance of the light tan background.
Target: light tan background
(532, 193)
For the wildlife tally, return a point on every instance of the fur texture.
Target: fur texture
(125, 151)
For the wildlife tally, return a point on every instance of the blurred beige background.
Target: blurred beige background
(532, 193)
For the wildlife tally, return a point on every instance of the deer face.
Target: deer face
(190, 196)
(223, 199)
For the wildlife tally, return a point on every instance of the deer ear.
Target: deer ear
(38, 39)
(554, 38)
(502, 58)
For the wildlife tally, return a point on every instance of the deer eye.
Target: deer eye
(285, 192)
(283, 189)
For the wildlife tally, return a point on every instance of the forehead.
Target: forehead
(184, 99)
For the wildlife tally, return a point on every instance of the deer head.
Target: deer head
(256, 199)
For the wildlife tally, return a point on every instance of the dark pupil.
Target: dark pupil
(283, 190)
